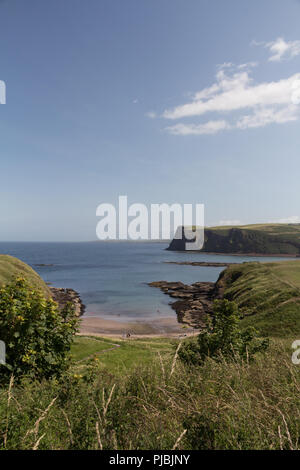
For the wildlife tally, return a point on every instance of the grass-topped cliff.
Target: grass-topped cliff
(268, 239)
(268, 295)
(11, 267)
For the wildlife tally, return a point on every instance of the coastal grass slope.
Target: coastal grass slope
(11, 267)
(268, 295)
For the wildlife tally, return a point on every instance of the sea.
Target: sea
(112, 277)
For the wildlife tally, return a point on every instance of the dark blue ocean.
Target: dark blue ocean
(112, 277)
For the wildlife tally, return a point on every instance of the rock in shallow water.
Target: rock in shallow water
(63, 296)
(195, 302)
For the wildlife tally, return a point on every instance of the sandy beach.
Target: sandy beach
(158, 327)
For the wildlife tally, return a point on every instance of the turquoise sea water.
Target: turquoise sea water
(112, 277)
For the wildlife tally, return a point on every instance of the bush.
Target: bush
(36, 334)
(223, 337)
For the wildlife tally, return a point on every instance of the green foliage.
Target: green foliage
(37, 335)
(223, 337)
(200, 432)
(219, 404)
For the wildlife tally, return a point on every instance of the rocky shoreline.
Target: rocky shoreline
(201, 263)
(63, 296)
(194, 302)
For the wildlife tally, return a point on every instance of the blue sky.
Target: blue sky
(169, 101)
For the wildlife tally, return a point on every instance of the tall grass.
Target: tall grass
(220, 405)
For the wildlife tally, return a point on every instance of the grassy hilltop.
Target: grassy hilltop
(11, 267)
(268, 239)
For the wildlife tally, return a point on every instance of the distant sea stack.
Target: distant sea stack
(261, 239)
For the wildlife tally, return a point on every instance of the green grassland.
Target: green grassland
(268, 295)
(11, 267)
(161, 405)
(274, 229)
(118, 355)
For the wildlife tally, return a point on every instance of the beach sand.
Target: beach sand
(158, 327)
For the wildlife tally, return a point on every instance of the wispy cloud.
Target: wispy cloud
(151, 114)
(294, 219)
(256, 104)
(236, 101)
(210, 127)
(269, 115)
(230, 222)
(281, 49)
(235, 92)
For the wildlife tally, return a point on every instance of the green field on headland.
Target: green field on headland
(262, 239)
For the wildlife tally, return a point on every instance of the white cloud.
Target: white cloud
(232, 66)
(269, 115)
(294, 219)
(151, 114)
(225, 65)
(296, 92)
(210, 127)
(247, 65)
(281, 49)
(230, 222)
(257, 105)
(235, 92)
(236, 101)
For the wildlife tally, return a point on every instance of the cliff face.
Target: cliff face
(239, 240)
(178, 244)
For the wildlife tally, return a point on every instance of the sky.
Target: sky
(172, 101)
